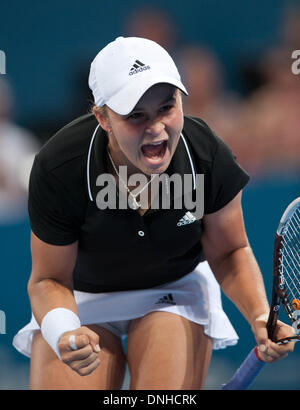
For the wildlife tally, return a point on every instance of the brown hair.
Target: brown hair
(102, 111)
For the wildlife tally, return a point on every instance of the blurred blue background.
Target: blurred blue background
(235, 59)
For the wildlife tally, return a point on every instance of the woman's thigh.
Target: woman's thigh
(167, 351)
(48, 372)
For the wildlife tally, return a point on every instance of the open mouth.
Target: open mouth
(155, 150)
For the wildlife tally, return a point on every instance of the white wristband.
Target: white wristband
(55, 323)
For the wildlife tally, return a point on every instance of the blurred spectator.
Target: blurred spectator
(270, 123)
(153, 23)
(208, 99)
(268, 138)
(17, 149)
(290, 32)
(263, 129)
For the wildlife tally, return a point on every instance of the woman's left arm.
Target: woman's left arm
(233, 263)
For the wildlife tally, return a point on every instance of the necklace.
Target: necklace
(134, 203)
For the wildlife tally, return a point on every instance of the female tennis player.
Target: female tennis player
(103, 273)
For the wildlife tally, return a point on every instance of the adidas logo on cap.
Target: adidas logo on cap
(138, 67)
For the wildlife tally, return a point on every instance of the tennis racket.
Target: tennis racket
(285, 290)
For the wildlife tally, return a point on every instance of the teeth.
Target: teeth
(156, 143)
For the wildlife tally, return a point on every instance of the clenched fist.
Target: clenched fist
(84, 360)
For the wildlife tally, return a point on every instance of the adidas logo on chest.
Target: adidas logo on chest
(188, 218)
(138, 67)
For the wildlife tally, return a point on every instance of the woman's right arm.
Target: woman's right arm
(50, 287)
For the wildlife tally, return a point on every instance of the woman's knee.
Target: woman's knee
(167, 351)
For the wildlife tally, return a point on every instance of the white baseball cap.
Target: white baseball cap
(126, 68)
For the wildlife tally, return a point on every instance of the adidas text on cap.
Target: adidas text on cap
(126, 68)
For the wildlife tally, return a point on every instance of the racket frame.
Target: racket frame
(252, 365)
(279, 293)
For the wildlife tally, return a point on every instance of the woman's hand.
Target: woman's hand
(268, 350)
(85, 359)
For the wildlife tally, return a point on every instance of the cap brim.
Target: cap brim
(124, 101)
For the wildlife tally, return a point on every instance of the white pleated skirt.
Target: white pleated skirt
(196, 297)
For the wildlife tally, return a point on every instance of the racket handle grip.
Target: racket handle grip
(246, 373)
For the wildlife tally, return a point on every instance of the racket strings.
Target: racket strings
(290, 257)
